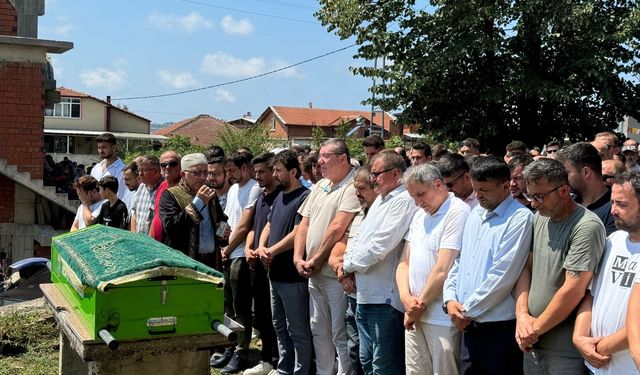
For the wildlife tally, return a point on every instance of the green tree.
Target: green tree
(498, 70)
(256, 138)
(317, 137)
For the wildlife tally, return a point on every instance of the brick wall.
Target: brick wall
(22, 115)
(8, 19)
(7, 199)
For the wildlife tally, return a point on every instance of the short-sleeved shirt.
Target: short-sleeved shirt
(573, 244)
(283, 218)
(95, 211)
(116, 215)
(612, 288)
(239, 199)
(602, 208)
(263, 208)
(321, 207)
(427, 235)
(116, 170)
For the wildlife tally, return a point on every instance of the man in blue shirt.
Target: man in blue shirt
(477, 293)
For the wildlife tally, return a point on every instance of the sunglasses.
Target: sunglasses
(169, 164)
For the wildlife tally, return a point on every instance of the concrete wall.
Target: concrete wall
(124, 122)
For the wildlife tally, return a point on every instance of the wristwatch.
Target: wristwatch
(444, 307)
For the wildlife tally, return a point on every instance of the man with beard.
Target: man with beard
(190, 213)
(241, 200)
(455, 171)
(218, 179)
(289, 290)
(517, 186)
(478, 291)
(568, 241)
(170, 171)
(263, 169)
(372, 256)
(111, 165)
(584, 168)
(600, 332)
(366, 194)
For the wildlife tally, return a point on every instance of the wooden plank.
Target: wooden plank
(89, 350)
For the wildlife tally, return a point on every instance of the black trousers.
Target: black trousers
(490, 348)
(237, 300)
(262, 313)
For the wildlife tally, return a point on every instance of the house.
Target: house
(201, 130)
(29, 212)
(296, 124)
(71, 125)
(243, 122)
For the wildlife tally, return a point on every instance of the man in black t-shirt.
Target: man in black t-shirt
(289, 290)
(113, 212)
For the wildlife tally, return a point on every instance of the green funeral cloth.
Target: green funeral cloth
(100, 257)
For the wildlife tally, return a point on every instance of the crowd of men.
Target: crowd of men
(430, 261)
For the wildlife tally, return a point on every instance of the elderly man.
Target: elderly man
(584, 169)
(568, 241)
(478, 291)
(190, 213)
(170, 170)
(142, 204)
(455, 171)
(630, 152)
(372, 256)
(600, 332)
(326, 215)
(432, 343)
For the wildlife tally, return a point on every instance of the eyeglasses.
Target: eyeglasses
(169, 164)
(552, 151)
(375, 175)
(540, 197)
(215, 174)
(197, 172)
(450, 184)
(605, 177)
(143, 171)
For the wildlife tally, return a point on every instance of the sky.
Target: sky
(132, 48)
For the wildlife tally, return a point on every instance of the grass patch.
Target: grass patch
(28, 344)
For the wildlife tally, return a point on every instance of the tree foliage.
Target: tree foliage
(256, 138)
(498, 70)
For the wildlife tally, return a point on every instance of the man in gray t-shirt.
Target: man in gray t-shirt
(568, 241)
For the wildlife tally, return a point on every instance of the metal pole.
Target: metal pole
(384, 58)
(373, 95)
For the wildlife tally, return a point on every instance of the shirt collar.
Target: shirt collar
(326, 183)
(499, 210)
(444, 207)
(155, 186)
(393, 193)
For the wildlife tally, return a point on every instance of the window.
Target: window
(68, 107)
(273, 124)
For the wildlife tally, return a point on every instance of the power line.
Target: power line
(251, 12)
(237, 80)
(287, 4)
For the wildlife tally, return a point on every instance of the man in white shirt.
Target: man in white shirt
(600, 332)
(432, 342)
(241, 199)
(89, 195)
(111, 165)
(373, 257)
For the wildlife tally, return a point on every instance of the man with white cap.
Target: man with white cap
(190, 213)
(630, 152)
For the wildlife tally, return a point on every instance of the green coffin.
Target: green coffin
(134, 286)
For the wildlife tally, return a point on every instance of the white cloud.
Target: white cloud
(177, 80)
(222, 95)
(225, 65)
(109, 79)
(61, 27)
(189, 23)
(231, 25)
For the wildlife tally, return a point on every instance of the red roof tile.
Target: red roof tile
(304, 116)
(78, 94)
(202, 129)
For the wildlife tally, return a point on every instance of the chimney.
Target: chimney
(109, 99)
(310, 105)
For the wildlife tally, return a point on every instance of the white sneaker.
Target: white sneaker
(273, 372)
(262, 368)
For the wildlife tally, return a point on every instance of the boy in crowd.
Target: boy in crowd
(113, 213)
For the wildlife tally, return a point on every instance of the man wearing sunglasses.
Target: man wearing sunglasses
(568, 241)
(169, 169)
